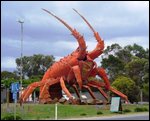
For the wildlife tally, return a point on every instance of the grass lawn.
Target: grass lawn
(47, 111)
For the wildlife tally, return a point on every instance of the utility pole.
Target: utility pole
(21, 65)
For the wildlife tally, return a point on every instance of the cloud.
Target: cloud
(122, 22)
(123, 41)
(8, 62)
(135, 5)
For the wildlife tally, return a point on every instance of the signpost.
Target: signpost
(14, 90)
(116, 104)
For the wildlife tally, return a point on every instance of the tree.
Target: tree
(8, 77)
(124, 55)
(34, 65)
(147, 54)
(7, 74)
(114, 66)
(113, 60)
(111, 50)
(137, 69)
(7, 82)
(137, 50)
(131, 61)
(128, 87)
(32, 79)
(116, 58)
(146, 91)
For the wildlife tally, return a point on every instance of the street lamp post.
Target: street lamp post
(21, 65)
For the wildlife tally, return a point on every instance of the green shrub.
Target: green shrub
(126, 110)
(128, 87)
(99, 112)
(145, 109)
(11, 117)
(140, 109)
(83, 114)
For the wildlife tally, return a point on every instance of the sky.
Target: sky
(122, 22)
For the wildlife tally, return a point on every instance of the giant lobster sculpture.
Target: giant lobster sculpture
(77, 69)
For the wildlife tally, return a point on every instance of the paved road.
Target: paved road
(131, 117)
(139, 116)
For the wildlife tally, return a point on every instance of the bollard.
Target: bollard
(55, 111)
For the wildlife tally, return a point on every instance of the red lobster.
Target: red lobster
(77, 69)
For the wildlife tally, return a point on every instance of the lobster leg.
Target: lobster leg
(44, 96)
(96, 84)
(29, 90)
(62, 83)
(77, 72)
(90, 91)
(119, 93)
(102, 74)
(99, 88)
(34, 85)
(76, 90)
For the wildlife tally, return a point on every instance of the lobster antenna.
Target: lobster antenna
(85, 20)
(76, 34)
(59, 20)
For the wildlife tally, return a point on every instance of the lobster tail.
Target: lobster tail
(80, 39)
